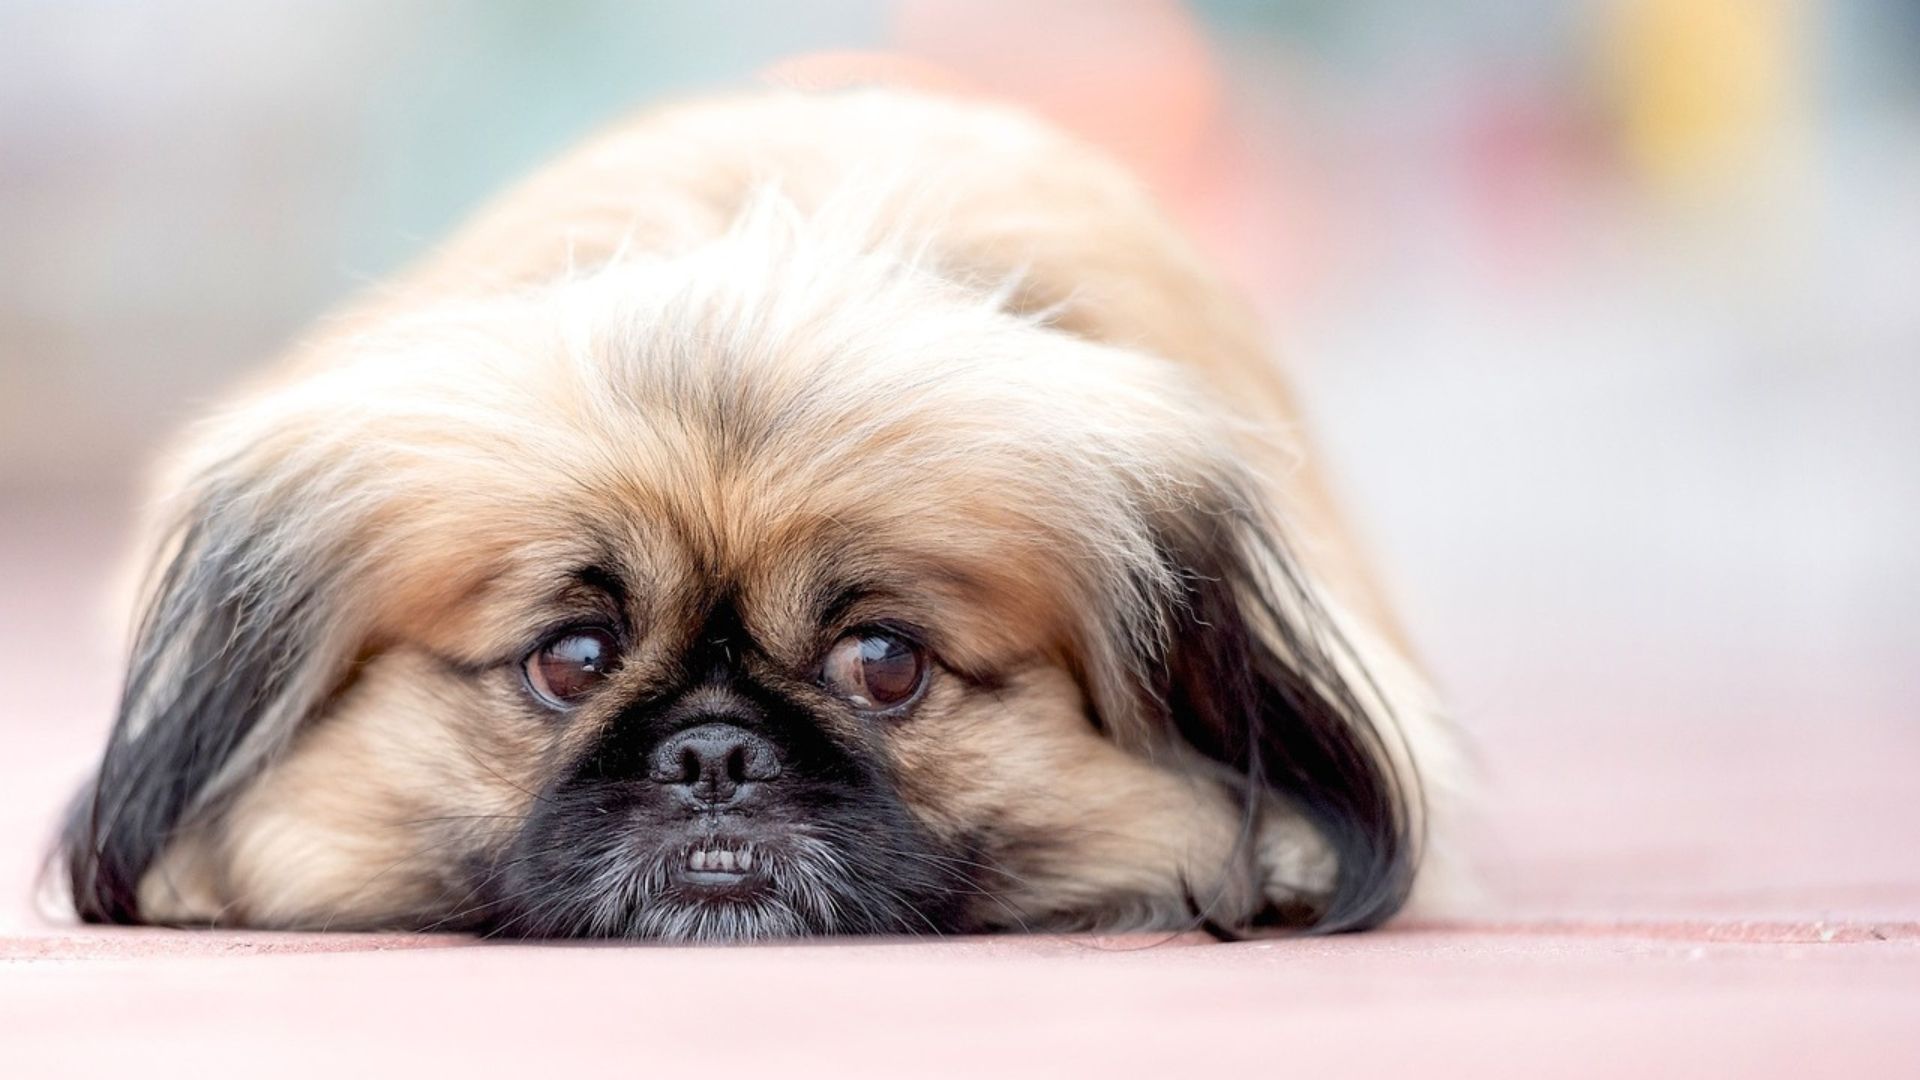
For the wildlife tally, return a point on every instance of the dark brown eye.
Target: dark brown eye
(570, 664)
(874, 669)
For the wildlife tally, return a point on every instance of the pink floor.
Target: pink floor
(1683, 885)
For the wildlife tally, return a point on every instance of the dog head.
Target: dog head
(776, 588)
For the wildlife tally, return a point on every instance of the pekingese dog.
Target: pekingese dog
(799, 514)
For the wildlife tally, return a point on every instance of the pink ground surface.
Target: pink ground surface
(1726, 887)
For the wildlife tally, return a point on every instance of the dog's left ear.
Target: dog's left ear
(236, 646)
(1257, 674)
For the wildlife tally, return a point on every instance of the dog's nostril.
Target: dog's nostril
(713, 762)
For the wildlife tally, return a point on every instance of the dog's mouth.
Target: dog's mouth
(723, 866)
(716, 879)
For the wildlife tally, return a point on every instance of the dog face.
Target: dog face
(779, 588)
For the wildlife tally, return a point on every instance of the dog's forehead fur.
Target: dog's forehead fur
(689, 430)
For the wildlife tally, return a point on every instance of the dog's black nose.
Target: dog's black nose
(712, 763)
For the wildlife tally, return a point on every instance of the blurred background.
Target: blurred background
(1607, 314)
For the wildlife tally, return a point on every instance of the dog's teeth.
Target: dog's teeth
(721, 860)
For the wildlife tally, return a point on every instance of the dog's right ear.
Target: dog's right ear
(236, 646)
(1259, 677)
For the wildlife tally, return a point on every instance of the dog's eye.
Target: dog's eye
(567, 666)
(874, 669)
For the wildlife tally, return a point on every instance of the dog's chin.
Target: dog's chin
(706, 886)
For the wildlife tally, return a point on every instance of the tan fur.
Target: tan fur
(508, 409)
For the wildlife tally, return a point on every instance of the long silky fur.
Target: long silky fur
(227, 641)
(1259, 677)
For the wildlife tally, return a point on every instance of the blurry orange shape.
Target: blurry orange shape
(1135, 77)
(1699, 87)
(1525, 150)
(1139, 79)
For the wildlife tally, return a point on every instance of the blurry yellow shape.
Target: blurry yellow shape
(1702, 86)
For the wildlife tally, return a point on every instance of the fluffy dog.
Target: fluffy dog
(796, 514)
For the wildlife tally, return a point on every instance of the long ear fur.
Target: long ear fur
(229, 656)
(1259, 676)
